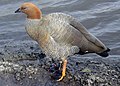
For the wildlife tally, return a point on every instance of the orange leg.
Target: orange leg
(63, 70)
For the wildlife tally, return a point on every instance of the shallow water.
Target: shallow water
(100, 17)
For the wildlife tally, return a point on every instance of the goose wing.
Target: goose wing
(67, 29)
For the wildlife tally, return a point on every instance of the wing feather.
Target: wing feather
(70, 31)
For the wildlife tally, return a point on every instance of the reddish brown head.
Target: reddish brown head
(31, 10)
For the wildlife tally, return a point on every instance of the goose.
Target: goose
(60, 35)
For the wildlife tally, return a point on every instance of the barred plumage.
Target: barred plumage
(60, 35)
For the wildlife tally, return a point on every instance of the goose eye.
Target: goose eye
(23, 8)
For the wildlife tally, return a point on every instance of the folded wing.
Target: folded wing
(68, 30)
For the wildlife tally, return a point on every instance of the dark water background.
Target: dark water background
(100, 17)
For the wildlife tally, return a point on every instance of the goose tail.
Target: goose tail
(104, 53)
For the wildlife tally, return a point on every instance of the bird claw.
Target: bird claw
(61, 78)
(57, 72)
(63, 70)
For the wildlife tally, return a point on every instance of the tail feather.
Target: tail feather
(105, 53)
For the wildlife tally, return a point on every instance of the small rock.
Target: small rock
(86, 70)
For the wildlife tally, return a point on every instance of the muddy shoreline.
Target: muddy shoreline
(26, 67)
